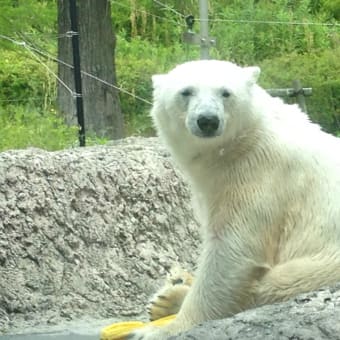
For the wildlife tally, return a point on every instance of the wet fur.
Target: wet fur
(266, 191)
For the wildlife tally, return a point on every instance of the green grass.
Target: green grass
(22, 127)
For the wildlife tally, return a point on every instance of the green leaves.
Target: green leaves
(29, 16)
(149, 41)
(25, 126)
(320, 71)
(23, 80)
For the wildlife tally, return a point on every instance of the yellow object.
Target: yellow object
(118, 331)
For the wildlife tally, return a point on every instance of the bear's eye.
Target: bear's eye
(187, 92)
(225, 93)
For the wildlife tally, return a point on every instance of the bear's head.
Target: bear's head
(201, 100)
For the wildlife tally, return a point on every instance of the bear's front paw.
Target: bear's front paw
(169, 299)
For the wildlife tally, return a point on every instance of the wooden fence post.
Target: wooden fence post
(299, 94)
(296, 91)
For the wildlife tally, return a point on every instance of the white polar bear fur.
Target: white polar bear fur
(266, 189)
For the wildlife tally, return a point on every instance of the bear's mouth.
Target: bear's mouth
(210, 134)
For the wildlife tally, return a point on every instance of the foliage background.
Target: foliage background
(261, 32)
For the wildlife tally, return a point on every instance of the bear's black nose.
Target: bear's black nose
(208, 124)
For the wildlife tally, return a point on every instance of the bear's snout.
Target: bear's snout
(208, 124)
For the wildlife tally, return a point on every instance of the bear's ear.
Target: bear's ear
(158, 80)
(252, 74)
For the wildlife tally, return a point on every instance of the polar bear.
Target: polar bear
(265, 183)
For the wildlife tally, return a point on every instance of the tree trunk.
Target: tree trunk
(103, 114)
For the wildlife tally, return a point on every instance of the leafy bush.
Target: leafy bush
(319, 71)
(30, 16)
(149, 42)
(144, 49)
(22, 126)
(134, 75)
(24, 81)
(256, 30)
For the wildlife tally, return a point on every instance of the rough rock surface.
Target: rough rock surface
(89, 231)
(311, 316)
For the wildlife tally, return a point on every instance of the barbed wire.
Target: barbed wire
(27, 47)
(242, 21)
(116, 87)
(25, 99)
(270, 22)
(10, 39)
(49, 70)
(32, 49)
(48, 35)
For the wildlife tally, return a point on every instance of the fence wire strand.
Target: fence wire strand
(32, 49)
(27, 47)
(22, 100)
(271, 22)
